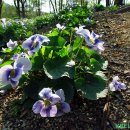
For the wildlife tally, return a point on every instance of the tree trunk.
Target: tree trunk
(53, 6)
(56, 5)
(99, 1)
(1, 7)
(107, 3)
(23, 11)
(23, 3)
(61, 4)
(39, 9)
(17, 6)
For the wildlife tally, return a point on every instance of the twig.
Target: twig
(105, 116)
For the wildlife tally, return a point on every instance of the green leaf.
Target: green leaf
(77, 43)
(94, 55)
(29, 33)
(82, 56)
(94, 65)
(63, 52)
(59, 67)
(92, 88)
(5, 87)
(54, 32)
(68, 87)
(37, 62)
(65, 32)
(102, 75)
(61, 41)
(46, 51)
(32, 90)
(35, 83)
(22, 80)
(53, 41)
(8, 62)
(42, 50)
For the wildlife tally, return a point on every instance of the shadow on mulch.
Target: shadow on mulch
(84, 115)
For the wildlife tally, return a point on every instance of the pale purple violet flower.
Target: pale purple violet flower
(22, 61)
(78, 29)
(46, 107)
(38, 106)
(16, 56)
(34, 43)
(46, 94)
(62, 106)
(91, 39)
(115, 85)
(44, 110)
(10, 75)
(12, 44)
(88, 20)
(60, 27)
(49, 111)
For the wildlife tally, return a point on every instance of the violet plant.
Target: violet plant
(62, 61)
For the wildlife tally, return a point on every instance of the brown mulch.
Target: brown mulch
(86, 114)
(115, 29)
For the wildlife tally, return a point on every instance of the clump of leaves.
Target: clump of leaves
(99, 7)
(113, 8)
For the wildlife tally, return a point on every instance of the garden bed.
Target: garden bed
(102, 114)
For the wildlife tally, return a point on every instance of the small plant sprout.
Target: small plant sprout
(115, 85)
(47, 107)
(10, 75)
(34, 43)
(60, 27)
(11, 44)
(91, 39)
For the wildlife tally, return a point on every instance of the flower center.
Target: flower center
(35, 42)
(12, 73)
(46, 103)
(92, 40)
